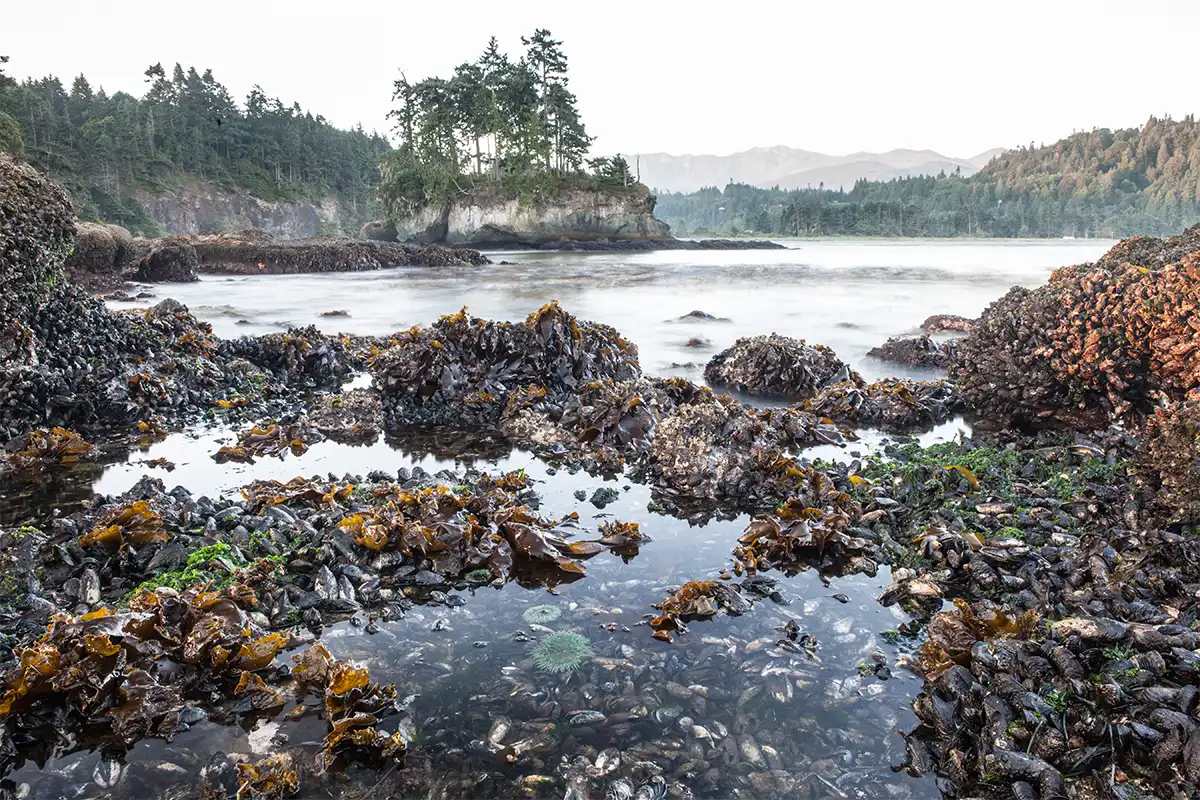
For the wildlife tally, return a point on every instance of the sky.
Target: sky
(679, 77)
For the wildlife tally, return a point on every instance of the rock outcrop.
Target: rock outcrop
(915, 351)
(170, 260)
(257, 252)
(489, 218)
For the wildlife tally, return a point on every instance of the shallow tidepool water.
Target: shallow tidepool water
(722, 684)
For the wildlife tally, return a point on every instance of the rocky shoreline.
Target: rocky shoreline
(616, 245)
(1069, 665)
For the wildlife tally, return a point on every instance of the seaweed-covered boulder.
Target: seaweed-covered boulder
(101, 248)
(1098, 341)
(915, 351)
(461, 369)
(37, 231)
(1169, 461)
(170, 260)
(777, 366)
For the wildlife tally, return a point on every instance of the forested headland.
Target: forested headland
(1101, 183)
(495, 124)
(187, 126)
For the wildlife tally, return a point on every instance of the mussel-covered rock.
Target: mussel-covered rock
(777, 366)
(946, 323)
(916, 351)
(1098, 341)
(37, 231)
(892, 404)
(1169, 461)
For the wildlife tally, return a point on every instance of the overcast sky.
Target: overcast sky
(682, 77)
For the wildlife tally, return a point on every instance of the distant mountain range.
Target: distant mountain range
(790, 168)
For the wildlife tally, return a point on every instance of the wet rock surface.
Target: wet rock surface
(777, 366)
(171, 260)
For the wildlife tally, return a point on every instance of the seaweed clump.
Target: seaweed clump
(461, 370)
(40, 451)
(696, 600)
(777, 366)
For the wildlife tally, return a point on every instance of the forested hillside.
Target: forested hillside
(186, 126)
(1099, 183)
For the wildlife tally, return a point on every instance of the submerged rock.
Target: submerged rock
(777, 366)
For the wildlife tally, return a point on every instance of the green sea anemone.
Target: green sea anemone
(542, 615)
(478, 576)
(561, 652)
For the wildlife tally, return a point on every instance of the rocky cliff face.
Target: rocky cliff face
(206, 208)
(483, 219)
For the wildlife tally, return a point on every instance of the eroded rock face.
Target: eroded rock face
(778, 366)
(170, 260)
(1099, 341)
(37, 231)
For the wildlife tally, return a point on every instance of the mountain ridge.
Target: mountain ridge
(791, 167)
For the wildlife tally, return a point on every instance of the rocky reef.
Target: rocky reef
(256, 252)
(1047, 574)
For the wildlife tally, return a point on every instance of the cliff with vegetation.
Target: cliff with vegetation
(1100, 183)
(186, 158)
(494, 217)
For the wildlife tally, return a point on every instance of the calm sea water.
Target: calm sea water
(848, 294)
(833, 729)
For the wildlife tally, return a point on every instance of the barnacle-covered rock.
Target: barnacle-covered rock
(461, 369)
(915, 351)
(777, 366)
(1099, 341)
